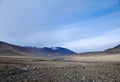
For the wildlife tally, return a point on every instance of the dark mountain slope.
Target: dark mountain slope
(10, 49)
(115, 49)
(51, 51)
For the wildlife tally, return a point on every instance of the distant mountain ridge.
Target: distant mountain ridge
(117, 46)
(115, 49)
(52, 50)
(10, 49)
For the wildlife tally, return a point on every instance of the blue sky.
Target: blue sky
(80, 25)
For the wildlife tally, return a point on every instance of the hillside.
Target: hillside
(112, 54)
(10, 49)
(115, 49)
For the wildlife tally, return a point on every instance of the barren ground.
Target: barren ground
(72, 69)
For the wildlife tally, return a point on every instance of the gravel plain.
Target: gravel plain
(84, 72)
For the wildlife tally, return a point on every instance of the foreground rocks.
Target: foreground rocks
(87, 72)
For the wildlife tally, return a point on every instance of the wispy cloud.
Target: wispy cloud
(100, 34)
(96, 43)
(68, 23)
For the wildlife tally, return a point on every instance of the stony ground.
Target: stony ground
(84, 72)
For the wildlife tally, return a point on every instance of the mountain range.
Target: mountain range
(7, 49)
(114, 50)
(10, 49)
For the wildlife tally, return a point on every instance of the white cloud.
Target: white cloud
(100, 34)
(41, 22)
(102, 42)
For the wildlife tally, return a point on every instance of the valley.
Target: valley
(101, 66)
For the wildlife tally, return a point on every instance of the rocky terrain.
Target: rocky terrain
(28, 69)
(84, 72)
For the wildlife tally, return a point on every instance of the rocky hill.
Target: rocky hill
(115, 49)
(10, 49)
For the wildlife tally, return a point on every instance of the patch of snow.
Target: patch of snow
(54, 48)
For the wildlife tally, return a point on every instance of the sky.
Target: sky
(79, 25)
